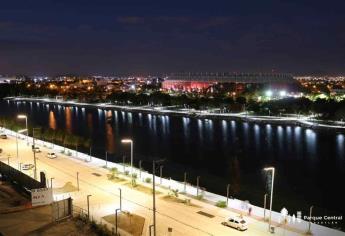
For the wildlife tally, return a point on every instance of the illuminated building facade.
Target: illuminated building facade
(201, 81)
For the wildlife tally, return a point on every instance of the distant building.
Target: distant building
(200, 81)
(7, 80)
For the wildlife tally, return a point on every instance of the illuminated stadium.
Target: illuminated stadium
(199, 81)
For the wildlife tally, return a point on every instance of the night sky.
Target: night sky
(45, 37)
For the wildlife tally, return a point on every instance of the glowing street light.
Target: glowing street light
(269, 93)
(26, 124)
(131, 142)
(271, 198)
(282, 93)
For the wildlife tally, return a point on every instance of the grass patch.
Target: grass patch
(221, 204)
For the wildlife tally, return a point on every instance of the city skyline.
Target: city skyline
(50, 37)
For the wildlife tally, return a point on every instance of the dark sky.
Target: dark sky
(122, 36)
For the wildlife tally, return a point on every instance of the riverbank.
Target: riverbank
(296, 120)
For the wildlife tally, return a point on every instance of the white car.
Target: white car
(236, 222)
(51, 155)
(27, 166)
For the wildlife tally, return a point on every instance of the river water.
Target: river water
(310, 165)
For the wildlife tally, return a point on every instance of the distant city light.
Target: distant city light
(269, 93)
(282, 93)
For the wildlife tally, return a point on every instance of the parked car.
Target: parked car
(3, 136)
(51, 155)
(27, 166)
(236, 222)
(36, 149)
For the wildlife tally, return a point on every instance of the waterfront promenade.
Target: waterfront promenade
(184, 219)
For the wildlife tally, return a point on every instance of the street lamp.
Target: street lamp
(34, 149)
(154, 194)
(18, 132)
(51, 183)
(88, 205)
(26, 124)
(271, 198)
(131, 142)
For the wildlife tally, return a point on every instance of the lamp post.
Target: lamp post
(185, 182)
(310, 213)
(78, 180)
(51, 183)
(227, 194)
(120, 199)
(19, 132)
(197, 185)
(154, 194)
(34, 150)
(106, 159)
(131, 142)
(116, 220)
(272, 169)
(88, 205)
(26, 125)
(140, 169)
(160, 174)
(265, 197)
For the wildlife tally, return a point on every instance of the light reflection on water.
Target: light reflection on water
(197, 142)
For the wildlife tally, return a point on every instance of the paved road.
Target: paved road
(105, 196)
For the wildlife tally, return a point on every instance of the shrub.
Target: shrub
(199, 197)
(221, 204)
(127, 172)
(173, 192)
(113, 173)
(148, 180)
(134, 175)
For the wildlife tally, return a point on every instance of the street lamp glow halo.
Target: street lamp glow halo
(268, 168)
(22, 116)
(126, 141)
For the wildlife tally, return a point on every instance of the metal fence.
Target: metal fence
(62, 209)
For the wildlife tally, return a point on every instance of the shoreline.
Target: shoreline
(302, 121)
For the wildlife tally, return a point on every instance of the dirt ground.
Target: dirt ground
(69, 227)
(10, 198)
(130, 223)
